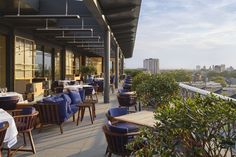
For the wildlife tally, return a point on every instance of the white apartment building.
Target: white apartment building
(151, 65)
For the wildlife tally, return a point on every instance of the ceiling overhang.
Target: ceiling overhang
(121, 17)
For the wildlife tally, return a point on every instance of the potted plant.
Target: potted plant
(87, 70)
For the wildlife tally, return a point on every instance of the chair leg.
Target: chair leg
(8, 152)
(135, 108)
(106, 151)
(109, 155)
(73, 117)
(82, 113)
(24, 139)
(61, 128)
(40, 127)
(91, 117)
(32, 142)
(78, 117)
(94, 110)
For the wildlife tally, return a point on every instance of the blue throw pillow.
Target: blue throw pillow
(68, 102)
(75, 97)
(82, 94)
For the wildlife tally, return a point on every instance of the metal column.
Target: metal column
(122, 66)
(63, 63)
(107, 48)
(117, 67)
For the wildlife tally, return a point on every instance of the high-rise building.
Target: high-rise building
(151, 65)
(198, 67)
(222, 66)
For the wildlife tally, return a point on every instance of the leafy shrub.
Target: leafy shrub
(133, 72)
(198, 127)
(155, 89)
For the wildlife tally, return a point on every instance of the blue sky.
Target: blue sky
(186, 33)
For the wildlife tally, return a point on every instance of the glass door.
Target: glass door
(2, 61)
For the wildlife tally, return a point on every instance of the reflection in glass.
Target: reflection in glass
(2, 61)
(57, 65)
(48, 65)
(39, 63)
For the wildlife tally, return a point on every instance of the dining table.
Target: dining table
(77, 87)
(11, 94)
(11, 133)
(142, 118)
(98, 79)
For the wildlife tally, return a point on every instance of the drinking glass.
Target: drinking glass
(5, 90)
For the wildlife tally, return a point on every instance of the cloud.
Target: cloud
(189, 30)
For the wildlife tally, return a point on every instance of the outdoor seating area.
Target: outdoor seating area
(77, 107)
(63, 90)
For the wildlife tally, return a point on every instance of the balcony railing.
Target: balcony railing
(190, 91)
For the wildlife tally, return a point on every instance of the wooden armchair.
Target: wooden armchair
(127, 101)
(25, 121)
(117, 142)
(3, 130)
(9, 103)
(49, 114)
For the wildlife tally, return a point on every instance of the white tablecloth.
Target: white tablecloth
(9, 94)
(64, 82)
(99, 79)
(76, 87)
(11, 134)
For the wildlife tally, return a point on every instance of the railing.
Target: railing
(190, 91)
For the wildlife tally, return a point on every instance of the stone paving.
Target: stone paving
(85, 140)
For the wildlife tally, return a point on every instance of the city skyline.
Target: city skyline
(186, 33)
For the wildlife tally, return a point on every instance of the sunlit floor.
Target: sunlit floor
(85, 140)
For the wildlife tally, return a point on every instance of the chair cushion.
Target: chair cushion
(1, 124)
(51, 99)
(129, 126)
(28, 110)
(122, 90)
(114, 112)
(82, 94)
(75, 97)
(116, 129)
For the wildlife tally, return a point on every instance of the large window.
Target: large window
(97, 63)
(57, 64)
(69, 63)
(39, 62)
(24, 58)
(2, 61)
(77, 65)
(48, 64)
(24, 63)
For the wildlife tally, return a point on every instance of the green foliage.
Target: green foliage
(180, 75)
(219, 79)
(139, 78)
(225, 74)
(87, 70)
(156, 89)
(133, 72)
(198, 127)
